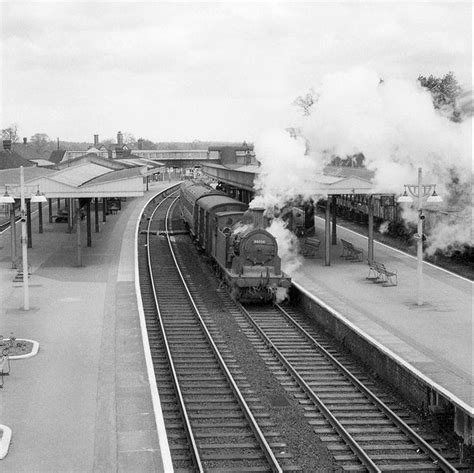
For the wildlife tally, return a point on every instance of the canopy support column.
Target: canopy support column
(78, 237)
(69, 205)
(88, 222)
(334, 212)
(40, 217)
(13, 236)
(50, 210)
(28, 223)
(104, 209)
(96, 214)
(327, 234)
(370, 248)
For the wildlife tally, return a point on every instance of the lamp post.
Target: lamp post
(38, 198)
(419, 191)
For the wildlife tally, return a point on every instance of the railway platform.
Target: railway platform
(432, 344)
(83, 403)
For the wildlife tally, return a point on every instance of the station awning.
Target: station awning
(85, 178)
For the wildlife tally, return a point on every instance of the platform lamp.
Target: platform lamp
(35, 198)
(420, 192)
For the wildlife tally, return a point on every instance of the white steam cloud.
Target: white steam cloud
(284, 167)
(393, 123)
(287, 246)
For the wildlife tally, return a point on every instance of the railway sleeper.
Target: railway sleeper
(416, 467)
(247, 469)
(250, 445)
(376, 429)
(394, 437)
(405, 458)
(213, 415)
(408, 447)
(244, 433)
(230, 424)
(230, 400)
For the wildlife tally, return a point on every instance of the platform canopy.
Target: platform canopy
(325, 184)
(334, 180)
(86, 177)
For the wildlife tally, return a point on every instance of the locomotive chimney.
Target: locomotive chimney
(258, 217)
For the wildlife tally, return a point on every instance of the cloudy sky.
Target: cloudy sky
(208, 71)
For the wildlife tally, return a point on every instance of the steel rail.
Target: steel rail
(243, 404)
(189, 431)
(403, 426)
(346, 436)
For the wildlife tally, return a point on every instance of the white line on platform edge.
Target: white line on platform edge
(155, 396)
(460, 403)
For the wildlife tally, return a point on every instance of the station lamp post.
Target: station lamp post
(420, 191)
(35, 198)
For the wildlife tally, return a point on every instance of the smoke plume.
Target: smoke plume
(393, 123)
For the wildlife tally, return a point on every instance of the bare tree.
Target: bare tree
(445, 92)
(305, 102)
(11, 133)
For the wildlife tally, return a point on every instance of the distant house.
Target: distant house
(11, 159)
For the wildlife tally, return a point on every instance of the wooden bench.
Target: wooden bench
(349, 251)
(310, 247)
(380, 274)
(4, 367)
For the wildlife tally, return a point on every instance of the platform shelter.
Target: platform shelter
(334, 181)
(78, 185)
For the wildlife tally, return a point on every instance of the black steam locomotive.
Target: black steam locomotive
(234, 237)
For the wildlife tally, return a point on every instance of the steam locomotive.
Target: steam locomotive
(245, 253)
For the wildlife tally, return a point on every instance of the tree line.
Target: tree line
(448, 97)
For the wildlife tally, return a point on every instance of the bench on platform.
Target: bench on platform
(310, 247)
(380, 274)
(4, 367)
(61, 217)
(349, 251)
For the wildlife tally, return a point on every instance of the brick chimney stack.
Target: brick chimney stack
(96, 141)
(120, 138)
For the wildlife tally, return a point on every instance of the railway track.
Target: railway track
(207, 423)
(358, 424)
(207, 416)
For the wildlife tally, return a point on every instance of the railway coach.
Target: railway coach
(234, 237)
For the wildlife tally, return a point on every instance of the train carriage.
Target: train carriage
(234, 237)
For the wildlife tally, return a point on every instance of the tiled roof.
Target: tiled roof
(116, 175)
(57, 156)
(42, 162)
(78, 175)
(9, 160)
(12, 176)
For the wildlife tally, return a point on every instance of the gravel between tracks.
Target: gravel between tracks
(302, 443)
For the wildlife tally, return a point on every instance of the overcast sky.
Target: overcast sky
(207, 71)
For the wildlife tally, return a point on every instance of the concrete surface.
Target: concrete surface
(83, 403)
